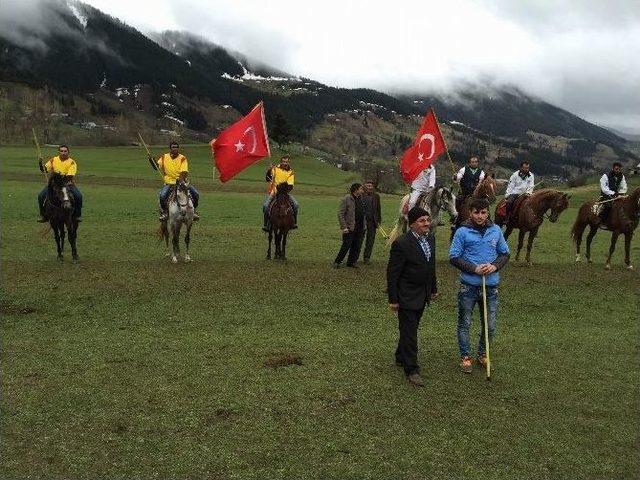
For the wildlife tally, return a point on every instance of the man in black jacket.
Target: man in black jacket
(411, 284)
(373, 217)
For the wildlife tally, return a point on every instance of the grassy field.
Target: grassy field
(124, 366)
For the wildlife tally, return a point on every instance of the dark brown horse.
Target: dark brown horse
(59, 207)
(528, 214)
(281, 220)
(485, 189)
(623, 219)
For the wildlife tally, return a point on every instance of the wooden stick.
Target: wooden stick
(149, 154)
(486, 326)
(39, 152)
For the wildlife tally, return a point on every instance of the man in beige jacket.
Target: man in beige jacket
(351, 219)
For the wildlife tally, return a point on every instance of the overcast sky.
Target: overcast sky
(581, 55)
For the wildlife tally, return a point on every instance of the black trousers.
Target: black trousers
(369, 241)
(351, 243)
(407, 351)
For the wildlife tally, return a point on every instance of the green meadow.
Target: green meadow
(125, 366)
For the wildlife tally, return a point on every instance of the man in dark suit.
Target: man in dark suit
(411, 284)
(373, 217)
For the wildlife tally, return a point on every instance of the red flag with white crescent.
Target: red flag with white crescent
(427, 147)
(241, 144)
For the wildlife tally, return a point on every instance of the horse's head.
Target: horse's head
(487, 188)
(58, 191)
(182, 195)
(445, 199)
(283, 188)
(559, 205)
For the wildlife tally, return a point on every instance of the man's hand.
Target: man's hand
(485, 269)
(394, 307)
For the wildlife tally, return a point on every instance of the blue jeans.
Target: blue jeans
(468, 297)
(73, 190)
(164, 193)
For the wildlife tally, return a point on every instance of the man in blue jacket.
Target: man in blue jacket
(478, 249)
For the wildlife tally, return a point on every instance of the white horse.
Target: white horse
(180, 212)
(441, 198)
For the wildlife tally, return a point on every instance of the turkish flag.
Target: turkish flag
(427, 147)
(241, 144)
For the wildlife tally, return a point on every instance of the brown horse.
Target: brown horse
(623, 218)
(529, 212)
(281, 220)
(485, 189)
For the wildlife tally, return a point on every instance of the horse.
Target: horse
(485, 189)
(180, 213)
(623, 219)
(59, 208)
(442, 198)
(280, 221)
(528, 214)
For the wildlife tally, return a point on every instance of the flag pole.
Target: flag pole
(446, 148)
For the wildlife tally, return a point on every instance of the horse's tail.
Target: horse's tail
(578, 226)
(397, 230)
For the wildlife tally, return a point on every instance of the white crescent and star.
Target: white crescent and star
(432, 140)
(240, 146)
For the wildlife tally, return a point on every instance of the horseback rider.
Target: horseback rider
(424, 184)
(468, 178)
(282, 173)
(612, 185)
(521, 182)
(173, 166)
(62, 164)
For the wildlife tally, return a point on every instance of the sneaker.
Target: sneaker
(163, 216)
(42, 220)
(466, 365)
(416, 380)
(482, 360)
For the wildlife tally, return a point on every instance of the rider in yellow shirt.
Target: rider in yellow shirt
(173, 166)
(64, 165)
(282, 173)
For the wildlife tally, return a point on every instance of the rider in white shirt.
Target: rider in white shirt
(521, 182)
(423, 184)
(612, 184)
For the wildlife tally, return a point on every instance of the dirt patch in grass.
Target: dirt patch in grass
(7, 308)
(283, 360)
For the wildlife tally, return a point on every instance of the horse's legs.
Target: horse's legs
(175, 238)
(56, 234)
(278, 245)
(520, 243)
(532, 236)
(187, 239)
(507, 232)
(284, 246)
(270, 240)
(577, 239)
(592, 233)
(612, 247)
(627, 247)
(72, 227)
(62, 233)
